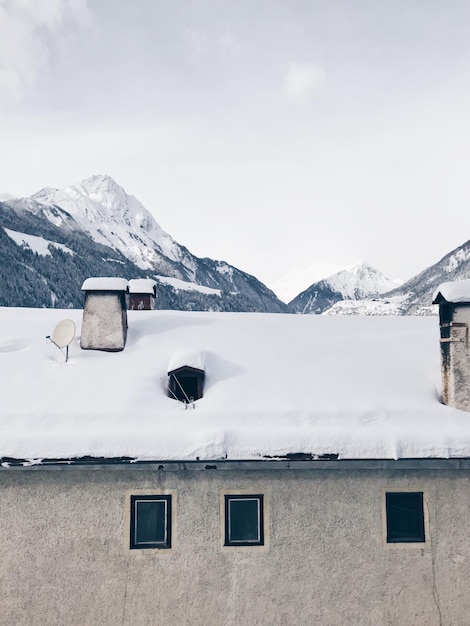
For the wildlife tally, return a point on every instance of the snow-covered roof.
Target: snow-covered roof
(453, 291)
(142, 285)
(275, 384)
(101, 283)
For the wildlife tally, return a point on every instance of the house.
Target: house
(318, 480)
(142, 294)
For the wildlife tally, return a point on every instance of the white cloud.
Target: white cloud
(228, 41)
(198, 40)
(303, 79)
(26, 28)
(10, 85)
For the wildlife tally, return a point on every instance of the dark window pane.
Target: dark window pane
(405, 517)
(244, 520)
(151, 522)
(186, 385)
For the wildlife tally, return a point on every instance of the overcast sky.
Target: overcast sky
(276, 135)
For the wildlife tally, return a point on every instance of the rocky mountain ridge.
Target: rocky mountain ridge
(56, 238)
(110, 234)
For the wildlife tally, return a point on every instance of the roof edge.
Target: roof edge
(124, 463)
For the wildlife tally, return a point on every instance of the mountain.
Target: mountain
(359, 282)
(416, 293)
(56, 238)
(414, 297)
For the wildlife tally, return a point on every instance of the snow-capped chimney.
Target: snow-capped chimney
(104, 323)
(142, 294)
(453, 299)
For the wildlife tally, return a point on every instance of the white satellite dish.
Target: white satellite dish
(63, 335)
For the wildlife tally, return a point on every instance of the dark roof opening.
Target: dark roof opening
(186, 384)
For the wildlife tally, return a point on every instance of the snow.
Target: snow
(456, 258)
(224, 269)
(359, 387)
(454, 291)
(361, 280)
(182, 285)
(187, 358)
(103, 209)
(369, 306)
(142, 285)
(36, 244)
(108, 283)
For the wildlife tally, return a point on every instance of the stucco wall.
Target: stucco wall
(65, 556)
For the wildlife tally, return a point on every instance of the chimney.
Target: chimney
(453, 299)
(142, 294)
(104, 322)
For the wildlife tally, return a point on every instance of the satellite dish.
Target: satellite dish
(63, 335)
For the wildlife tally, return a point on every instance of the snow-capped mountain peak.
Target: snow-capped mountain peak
(111, 217)
(100, 210)
(105, 192)
(361, 280)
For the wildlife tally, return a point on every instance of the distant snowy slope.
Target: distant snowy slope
(414, 297)
(418, 291)
(36, 244)
(368, 306)
(182, 285)
(360, 281)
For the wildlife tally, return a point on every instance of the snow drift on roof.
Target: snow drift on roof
(195, 359)
(142, 285)
(102, 283)
(275, 384)
(454, 291)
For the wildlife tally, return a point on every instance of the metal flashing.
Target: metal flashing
(124, 463)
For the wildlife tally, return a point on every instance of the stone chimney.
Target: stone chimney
(453, 299)
(104, 323)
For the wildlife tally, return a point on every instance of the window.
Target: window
(244, 520)
(405, 517)
(186, 384)
(150, 522)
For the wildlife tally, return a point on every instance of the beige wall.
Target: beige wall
(65, 557)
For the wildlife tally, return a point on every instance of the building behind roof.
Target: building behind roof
(142, 294)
